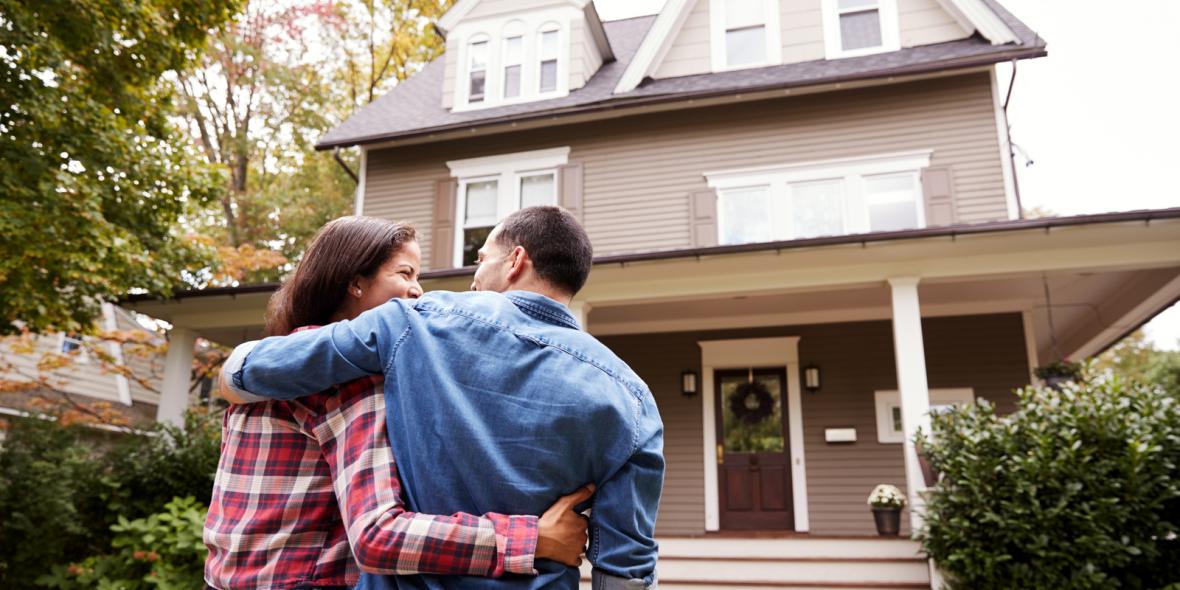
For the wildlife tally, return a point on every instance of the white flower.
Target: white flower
(886, 496)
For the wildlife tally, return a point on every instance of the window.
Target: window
(889, 425)
(548, 55)
(492, 188)
(477, 70)
(860, 27)
(71, 345)
(745, 33)
(513, 64)
(820, 199)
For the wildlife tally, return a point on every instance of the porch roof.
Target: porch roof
(1108, 274)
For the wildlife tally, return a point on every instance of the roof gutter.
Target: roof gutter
(625, 102)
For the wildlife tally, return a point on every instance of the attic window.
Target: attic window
(860, 27)
(513, 64)
(478, 70)
(548, 52)
(745, 33)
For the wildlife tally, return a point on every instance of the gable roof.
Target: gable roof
(414, 107)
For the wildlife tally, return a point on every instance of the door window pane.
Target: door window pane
(892, 201)
(752, 413)
(537, 189)
(817, 208)
(481, 202)
(746, 215)
(745, 46)
(860, 30)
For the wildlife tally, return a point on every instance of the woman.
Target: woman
(306, 490)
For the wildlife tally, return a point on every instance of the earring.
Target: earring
(356, 292)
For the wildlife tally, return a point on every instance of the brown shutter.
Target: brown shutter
(442, 229)
(569, 192)
(938, 189)
(703, 214)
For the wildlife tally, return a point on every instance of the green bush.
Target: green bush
(1078, 489)
(63, 488)
(163, 551)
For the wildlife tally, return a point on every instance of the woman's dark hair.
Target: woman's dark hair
(342, 250)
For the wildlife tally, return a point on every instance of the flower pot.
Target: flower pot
(929, 473)
(888, 520)
(1057, 382)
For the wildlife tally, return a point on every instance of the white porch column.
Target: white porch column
(178, 368)
(910, 355)
(581, 311)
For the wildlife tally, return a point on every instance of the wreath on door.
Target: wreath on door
(751, 402)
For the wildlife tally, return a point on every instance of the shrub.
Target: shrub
(1080, 488)
(63, 488)
(162, 551)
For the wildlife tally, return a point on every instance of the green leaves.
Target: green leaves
(93, 176)
(1080, 488)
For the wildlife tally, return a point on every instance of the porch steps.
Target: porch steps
(789, 563)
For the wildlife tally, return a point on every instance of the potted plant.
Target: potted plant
(1058, 373)
(887, 502)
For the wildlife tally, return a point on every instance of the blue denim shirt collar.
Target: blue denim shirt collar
(543, 308)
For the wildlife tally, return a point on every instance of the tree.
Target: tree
(92, 177)
(1137, 358)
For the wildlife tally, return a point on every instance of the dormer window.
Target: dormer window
(477, 69)
(513, 65)
(548, 53)
(745, 33)
(860, 27)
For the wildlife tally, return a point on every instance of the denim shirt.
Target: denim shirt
(495, 403)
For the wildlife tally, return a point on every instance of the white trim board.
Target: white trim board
(1006, 168)
(753, 352)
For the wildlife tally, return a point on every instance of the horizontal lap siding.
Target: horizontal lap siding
(924, 22)
(640, 170)
(856, 359)
(689, 53)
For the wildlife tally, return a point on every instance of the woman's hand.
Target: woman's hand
(562, 536)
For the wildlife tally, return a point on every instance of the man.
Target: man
(496, 401)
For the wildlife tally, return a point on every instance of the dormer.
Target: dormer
(505, 52)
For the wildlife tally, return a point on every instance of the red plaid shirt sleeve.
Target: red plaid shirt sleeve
(385, 537)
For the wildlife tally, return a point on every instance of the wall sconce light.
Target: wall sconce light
(688, 383)
(811, 378)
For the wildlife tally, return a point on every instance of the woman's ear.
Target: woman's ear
(357, 286)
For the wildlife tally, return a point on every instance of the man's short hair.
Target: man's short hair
(558, 246)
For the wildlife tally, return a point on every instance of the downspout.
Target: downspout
(344, 165)
(1011, 149)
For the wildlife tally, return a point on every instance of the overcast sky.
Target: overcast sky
(1099, 117)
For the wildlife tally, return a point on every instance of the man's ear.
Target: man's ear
(519, 259)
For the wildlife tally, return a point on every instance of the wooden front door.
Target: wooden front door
(753, 464)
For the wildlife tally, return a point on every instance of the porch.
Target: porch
(801, 562)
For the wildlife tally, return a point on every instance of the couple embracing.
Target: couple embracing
(439, 440)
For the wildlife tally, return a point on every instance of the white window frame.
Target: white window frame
(890, 33)
(487, 69)
(507, 170)
(527, 25)
(887, 400)
(512, 30)
(82, 356)
(851, 170)
(774, 49)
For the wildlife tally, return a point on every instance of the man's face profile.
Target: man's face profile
(492, 265)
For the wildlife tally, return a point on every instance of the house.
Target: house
(90, 370)
(808, 235)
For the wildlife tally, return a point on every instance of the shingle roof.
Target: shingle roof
(414, 107)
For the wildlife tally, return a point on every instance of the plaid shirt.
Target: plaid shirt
(299, 482)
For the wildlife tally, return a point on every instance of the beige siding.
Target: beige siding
(640, 171)
(983, 352)
(689, 53)
(924, 22)
(452, 71)
(585, 58)
(921, 22)
(80, 377)
(147, 366)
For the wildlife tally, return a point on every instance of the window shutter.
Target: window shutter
(569, 192)
(937, 190)
(703, 213)
(442, 230)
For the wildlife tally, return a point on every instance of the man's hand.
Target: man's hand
(562, 535)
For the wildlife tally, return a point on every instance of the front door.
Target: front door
(753, 466)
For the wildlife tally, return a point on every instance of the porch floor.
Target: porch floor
(798, 562)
